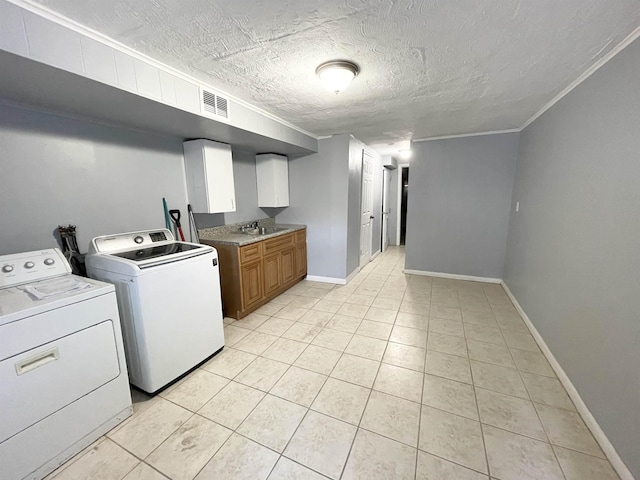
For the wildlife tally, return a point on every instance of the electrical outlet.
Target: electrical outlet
(517, 207)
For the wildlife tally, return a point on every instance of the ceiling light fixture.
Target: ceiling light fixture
(336, 75)
(405, 154)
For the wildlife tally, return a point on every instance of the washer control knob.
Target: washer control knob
(138, 239)
(49, 261)
(29, 265)
(7, 269)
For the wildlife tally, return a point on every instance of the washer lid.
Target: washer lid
(142, 254)
(143, 249)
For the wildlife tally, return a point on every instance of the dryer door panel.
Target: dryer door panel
(41, 381)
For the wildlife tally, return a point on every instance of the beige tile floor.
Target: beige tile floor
(390, 377)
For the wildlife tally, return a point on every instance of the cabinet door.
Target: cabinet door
(301, 259)
(272, 273)
(251, 279)
(288, 265)
(219, 175)
(209, 171)
(272, 175)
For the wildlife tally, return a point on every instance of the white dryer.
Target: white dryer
(169, 300)
(63, 376)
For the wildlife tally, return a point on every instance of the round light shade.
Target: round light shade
(337, 74)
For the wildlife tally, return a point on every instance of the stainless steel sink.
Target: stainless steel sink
(260, 230)
(268, 230)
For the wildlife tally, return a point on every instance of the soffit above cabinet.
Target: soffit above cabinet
(50, 66)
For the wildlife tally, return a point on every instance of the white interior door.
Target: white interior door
(366, 207)
(386, 181)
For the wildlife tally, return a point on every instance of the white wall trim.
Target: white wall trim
(352, 274)
(590, 71)
(338, 281)
(453, 276)
(582, 408)
(463, 135)
(55, 17)
(375, 255)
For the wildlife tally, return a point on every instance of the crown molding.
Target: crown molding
(590, 71)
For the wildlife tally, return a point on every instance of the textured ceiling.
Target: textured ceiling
(429, 68)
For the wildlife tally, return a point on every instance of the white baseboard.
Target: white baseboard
(582, 408)
(453, 276)
(339, 281)
(375, 255)
(351, 275)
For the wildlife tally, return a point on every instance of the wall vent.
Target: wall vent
(214, 105)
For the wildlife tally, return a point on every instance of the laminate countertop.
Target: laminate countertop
(241, 239)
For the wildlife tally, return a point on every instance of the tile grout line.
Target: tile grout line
(281, 454)
(362, 415)
(475, 395)
(422, 391)
(310, 410)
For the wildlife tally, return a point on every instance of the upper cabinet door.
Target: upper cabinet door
(209, 171)
(272, 175)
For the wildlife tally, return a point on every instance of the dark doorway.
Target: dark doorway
(403, 204)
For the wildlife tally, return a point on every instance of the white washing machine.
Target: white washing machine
(63, 375)
(169, 300)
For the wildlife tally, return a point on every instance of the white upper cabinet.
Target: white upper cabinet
(209, 171)
(272, 174)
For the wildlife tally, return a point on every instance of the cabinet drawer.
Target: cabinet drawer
(248, 253)
(301, 236)
(278, 243)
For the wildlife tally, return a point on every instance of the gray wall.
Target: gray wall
(459, 200)
(353, 205)
(318, 198)
(56, 170)
(573, 259)
(246, 187)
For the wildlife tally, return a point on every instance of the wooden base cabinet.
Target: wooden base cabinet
(253, 274)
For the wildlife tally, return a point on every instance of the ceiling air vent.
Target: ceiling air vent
(221, 107)
(214, 105)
